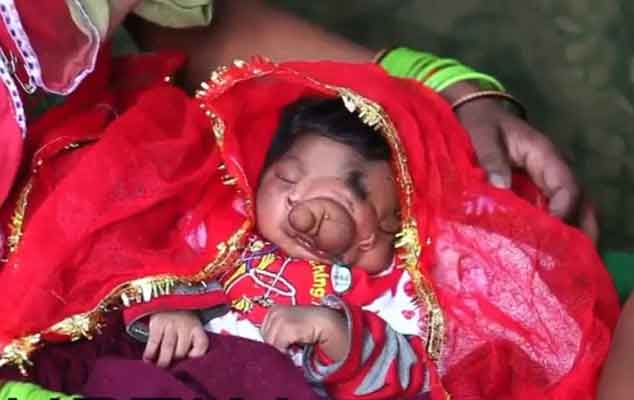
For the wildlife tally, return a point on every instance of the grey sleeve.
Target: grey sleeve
(139, 330)
(376, 358)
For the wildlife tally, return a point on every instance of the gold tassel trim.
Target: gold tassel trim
(146, 289)
(16, 225)
(80, 326)
(84, 326)
(408, 240)
(18, 352)
(373, 115)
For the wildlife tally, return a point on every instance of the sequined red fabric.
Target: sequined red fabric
(528, 307)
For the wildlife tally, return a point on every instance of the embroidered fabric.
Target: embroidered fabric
(487, 268)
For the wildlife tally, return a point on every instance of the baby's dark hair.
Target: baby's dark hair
(327, 117)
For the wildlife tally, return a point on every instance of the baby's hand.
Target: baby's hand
(173, 336)
(287, 325)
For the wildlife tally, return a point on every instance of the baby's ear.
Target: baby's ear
(391, 223)
(368, 243)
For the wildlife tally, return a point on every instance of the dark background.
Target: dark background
(571, 62)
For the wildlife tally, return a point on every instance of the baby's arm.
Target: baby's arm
(174, 328)
(323, 326)
(353, 352)
(380, 362)
(175, 335)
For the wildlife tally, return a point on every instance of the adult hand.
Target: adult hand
(504, 141)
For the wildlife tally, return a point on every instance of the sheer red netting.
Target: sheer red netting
(528, 307)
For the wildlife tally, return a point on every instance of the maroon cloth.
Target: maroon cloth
(516, 304)
(233, 367)
(111, 366)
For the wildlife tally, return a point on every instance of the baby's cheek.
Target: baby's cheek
(262, 202)
(381, 255)
(269, 215)
(385, 252)
(367, 220)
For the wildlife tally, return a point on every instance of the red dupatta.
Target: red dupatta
(516, 304)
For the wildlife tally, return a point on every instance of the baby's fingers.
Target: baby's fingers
(183, 344)
(168, 347)
(153, 344)
(200, 343)
(277, 335)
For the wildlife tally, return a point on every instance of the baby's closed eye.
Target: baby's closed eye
(355, 181)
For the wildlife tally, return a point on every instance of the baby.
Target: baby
(284, 209)
(326, 200)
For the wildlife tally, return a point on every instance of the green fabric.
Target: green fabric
(620, 264)
(176, 13)
(170, 13)
(98, 12)
(29, 391)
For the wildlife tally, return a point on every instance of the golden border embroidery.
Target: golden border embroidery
(16, 225)
(408, 239)
(85, 325)
(372, 114)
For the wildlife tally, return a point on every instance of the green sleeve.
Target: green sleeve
(176, 13)
(170, 13)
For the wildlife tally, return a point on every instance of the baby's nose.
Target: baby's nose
(327, 223)
(303, 219)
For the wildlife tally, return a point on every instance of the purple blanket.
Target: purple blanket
(110, 366)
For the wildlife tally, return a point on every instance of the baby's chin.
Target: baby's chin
(305, 252)
(374, 261)
(292, 246)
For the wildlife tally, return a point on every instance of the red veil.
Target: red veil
(517, 305)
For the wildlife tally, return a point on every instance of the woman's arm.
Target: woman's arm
(242, 28)
(617, 379)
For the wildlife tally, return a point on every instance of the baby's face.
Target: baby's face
(323, 201)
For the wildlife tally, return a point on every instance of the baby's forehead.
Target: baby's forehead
(322, 151)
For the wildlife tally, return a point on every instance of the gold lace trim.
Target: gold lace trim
(18, 352)
(373, 115)
(145, 289)
(85, 325)
(16, 225)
